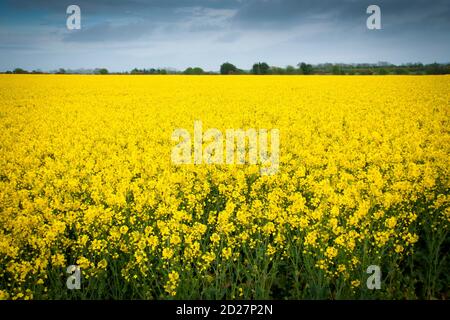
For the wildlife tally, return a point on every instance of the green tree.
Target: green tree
(102, 71)
(20, 71)
(305, 68)
(135, 71)
(196, 71)
(228, 68)
(401, 71)
(276, 70)
(255, 69)
(434, 68)
(260, 68)
(290, 70)
(336, 70)
(189, 71)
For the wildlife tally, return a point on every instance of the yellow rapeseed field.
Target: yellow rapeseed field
(86, 179)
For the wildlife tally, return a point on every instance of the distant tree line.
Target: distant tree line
(148, 71)
(59, 71)
(262, 68)
(302, 68)
(22, 71)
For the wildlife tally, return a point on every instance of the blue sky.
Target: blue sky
(121, 35)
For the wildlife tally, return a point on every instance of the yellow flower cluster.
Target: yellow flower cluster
(86, 178)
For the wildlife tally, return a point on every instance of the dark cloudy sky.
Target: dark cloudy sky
(121, 35)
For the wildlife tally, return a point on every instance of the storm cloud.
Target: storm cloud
(121, 35)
